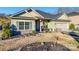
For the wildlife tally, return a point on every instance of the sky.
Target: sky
(12, 10)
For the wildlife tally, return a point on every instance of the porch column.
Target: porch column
(41, 24)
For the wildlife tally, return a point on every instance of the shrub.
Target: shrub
(6, 32)
(34, 32)
(72, 27)
(5, 23)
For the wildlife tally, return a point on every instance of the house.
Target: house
(61, 22)
(30, 20)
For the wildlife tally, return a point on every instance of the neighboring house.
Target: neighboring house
(62, 22)
(30, 20)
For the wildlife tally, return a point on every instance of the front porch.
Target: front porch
(42, 25)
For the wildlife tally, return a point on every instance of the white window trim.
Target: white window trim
(24, 26)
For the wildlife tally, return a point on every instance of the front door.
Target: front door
(37, 25)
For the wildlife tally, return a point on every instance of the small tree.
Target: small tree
(5, 22)
(6, 32)
(72, 27)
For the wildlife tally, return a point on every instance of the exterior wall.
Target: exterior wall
(14, 22)
(63, 26)
(31, 14)
(26, 14)
(34, 14)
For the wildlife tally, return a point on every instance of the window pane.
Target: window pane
(26, 25)
(21, 25)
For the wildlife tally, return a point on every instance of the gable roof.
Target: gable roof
(44, 15)
(41, 13)
(63, 16)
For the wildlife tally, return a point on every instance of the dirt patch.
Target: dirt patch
(47, 46)
(60, 38)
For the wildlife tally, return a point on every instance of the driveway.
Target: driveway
(74, 35)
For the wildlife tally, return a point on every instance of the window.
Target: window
(21, 25)
(26, 25)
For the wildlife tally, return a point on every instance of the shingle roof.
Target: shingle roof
(46, 15)
(18, 13)
(57, 15)
(42, 13)
(49, 16)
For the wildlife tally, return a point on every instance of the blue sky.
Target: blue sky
(12, 10)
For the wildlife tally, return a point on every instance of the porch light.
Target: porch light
(40, 20)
